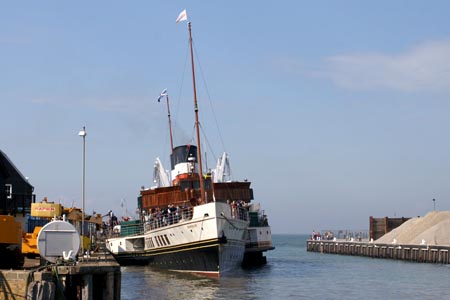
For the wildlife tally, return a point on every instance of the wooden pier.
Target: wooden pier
(415, 253)
(94, 278)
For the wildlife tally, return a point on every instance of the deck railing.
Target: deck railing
(159, 220)
(163, 220)
(240, 213)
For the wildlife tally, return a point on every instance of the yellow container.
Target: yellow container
(46, 210)
(86, 242)
(10, 230)
(29, 242)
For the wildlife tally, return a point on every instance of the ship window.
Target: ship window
(162, 239)
(8, 191)
(167, 239)
(207, 184)
(189, 185)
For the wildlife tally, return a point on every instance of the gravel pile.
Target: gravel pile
(433, 229)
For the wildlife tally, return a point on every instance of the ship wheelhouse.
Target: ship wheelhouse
(185, 188)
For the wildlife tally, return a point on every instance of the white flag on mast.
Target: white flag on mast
(182, 16)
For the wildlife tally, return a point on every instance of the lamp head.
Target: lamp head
(82, 132)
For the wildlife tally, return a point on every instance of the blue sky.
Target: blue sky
(334, 110)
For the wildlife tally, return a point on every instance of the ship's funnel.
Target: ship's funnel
(183, 161)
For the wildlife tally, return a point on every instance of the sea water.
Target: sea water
(293, 273)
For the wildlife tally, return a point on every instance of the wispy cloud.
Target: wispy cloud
(425, 67)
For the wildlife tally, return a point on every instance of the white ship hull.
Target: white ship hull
(210, 243)
(258, 238)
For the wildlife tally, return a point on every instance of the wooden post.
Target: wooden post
(117, 285)
(371, 228)
(109, 293)
(87, 288)
(386, 228)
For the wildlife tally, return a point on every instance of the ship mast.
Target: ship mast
(197, 124)
(170, 124)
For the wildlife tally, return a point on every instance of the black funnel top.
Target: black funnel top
(182, 153)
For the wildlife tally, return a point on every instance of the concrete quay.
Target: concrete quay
(414, 253)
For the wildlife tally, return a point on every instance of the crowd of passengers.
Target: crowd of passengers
(157, 217)
(172, 214)
(236, 209)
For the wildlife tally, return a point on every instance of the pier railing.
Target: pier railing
(341, 234)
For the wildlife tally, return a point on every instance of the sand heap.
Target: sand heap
(434, 229)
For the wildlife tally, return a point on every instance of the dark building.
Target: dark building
(16, 193)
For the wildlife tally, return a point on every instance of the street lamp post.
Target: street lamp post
(434, 204)
(83, 134)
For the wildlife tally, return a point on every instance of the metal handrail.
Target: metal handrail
(159, 220)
